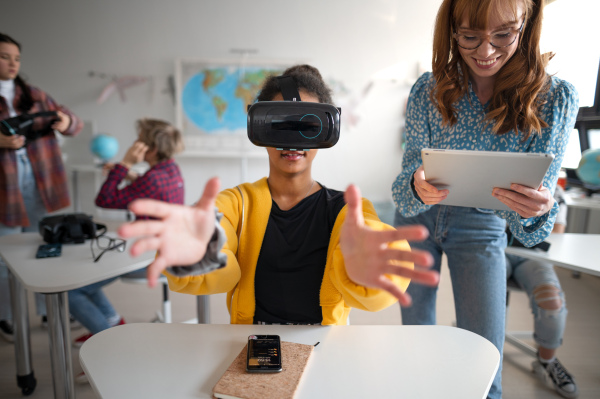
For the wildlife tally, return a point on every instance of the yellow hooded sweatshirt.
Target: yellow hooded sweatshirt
(246, 209)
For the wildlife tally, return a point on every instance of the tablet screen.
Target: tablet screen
(470, 176)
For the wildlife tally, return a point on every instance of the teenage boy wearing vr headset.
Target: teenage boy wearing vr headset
(287, 250)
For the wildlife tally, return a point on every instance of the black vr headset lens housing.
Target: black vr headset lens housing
(293, 125)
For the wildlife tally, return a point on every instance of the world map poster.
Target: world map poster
(214, 97)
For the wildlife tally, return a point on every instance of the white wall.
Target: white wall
(349, 40)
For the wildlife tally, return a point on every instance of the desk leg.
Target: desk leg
(60, 345)
(18, 297)
(203, 309)
(578, 219)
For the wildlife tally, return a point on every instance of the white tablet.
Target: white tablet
(472, 175)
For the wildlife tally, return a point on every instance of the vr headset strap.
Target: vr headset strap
(289, 90)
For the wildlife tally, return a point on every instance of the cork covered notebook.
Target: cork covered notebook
(236, 382)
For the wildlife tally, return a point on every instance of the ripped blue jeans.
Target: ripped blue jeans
(549, 319)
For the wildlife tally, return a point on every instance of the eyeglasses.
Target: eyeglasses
(104, 244)
(499, 39)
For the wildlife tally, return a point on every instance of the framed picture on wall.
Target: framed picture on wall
(213, 97)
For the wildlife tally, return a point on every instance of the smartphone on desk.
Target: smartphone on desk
(264, 354)
(48, 251)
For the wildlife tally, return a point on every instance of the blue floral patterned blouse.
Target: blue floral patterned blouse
(424, 129)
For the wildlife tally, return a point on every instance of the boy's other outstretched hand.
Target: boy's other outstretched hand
(367, 255)
(180, 234)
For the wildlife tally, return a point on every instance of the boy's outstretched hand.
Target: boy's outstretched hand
(180, 234)
(367, 255)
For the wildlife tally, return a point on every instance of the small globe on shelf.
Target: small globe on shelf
(104, 146)
(588, 170)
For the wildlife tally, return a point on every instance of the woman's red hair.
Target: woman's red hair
(519, 84)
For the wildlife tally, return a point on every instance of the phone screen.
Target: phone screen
(48, 250)
(264, 354)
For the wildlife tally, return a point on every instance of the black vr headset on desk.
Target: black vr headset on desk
(293, 124)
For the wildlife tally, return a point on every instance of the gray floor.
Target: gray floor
(580, 352)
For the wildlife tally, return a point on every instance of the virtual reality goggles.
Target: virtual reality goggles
(24, 125)
(293, 124)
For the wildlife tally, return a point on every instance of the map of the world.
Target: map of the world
(215, 99)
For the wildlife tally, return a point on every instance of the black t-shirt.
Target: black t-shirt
(290, 267)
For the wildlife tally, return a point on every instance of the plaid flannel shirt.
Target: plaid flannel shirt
(161, 182)
(46, 163)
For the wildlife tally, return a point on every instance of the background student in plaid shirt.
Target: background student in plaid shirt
(157, 142)
(33, 181)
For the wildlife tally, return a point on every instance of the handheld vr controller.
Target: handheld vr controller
(291, 124)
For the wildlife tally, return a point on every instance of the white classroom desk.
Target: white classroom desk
(584, 213)
(147, 361)
(578, 252)
(75, 268)
(588, 203)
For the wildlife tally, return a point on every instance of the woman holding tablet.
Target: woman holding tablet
(489, 92)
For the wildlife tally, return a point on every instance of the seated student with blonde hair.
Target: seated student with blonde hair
(156, 144)
(295, 251)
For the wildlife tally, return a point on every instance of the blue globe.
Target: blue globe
(589, 167)
(104, 146)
